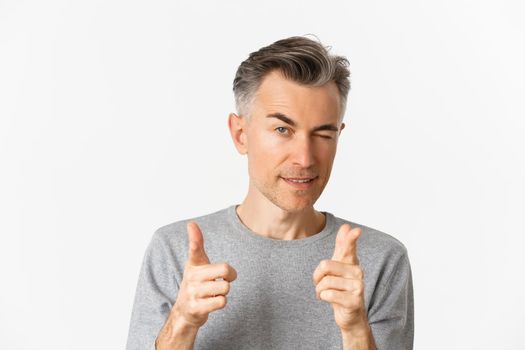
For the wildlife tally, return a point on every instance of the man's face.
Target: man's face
(292, 134)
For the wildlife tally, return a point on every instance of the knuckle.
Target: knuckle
(224, 268)
(225, 286)
(221, 301)
(322, 283)
(325, 281)
(324, 264)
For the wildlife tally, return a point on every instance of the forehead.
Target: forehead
(301, 102)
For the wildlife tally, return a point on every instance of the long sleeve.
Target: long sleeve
(391, 314)
(154, 296)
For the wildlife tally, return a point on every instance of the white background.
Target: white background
(114, 123)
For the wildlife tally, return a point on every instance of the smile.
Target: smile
(299, 180)
(300, 183)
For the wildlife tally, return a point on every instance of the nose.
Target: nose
(303, 153)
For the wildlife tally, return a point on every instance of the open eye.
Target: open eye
(281, 130)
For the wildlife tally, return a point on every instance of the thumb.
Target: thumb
(196, 253)
(346, 244)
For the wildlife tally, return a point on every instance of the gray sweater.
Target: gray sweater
(272, 303)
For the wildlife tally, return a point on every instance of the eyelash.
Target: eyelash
(282, 127)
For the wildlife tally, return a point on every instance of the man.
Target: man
(273, 272)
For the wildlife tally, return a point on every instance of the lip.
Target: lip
(299, 185)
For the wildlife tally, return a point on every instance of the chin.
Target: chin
(288, 200)
(294, 205)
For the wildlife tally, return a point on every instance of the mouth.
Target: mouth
(300, 183)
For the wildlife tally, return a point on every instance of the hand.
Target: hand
(340, 281)
(200, 293)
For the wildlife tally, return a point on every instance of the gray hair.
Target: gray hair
(302, 60)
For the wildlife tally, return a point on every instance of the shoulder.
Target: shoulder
(374, 244)
(175, 233)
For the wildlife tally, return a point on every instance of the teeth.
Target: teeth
(299, 180)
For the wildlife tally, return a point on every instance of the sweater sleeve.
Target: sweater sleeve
(154, 296)
(391, 314)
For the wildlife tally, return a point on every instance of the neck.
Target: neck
(268, 220)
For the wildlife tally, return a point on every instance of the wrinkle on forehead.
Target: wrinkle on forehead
(301, 102)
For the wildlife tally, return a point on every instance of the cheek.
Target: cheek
(264, 154)
(325, 155)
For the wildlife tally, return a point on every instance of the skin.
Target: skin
(274, 209)
(275, 149)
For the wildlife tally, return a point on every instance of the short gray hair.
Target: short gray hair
(302, 60)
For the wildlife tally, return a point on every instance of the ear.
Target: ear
(342, 127)
(237, 125)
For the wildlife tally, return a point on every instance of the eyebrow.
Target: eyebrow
(288, 120)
